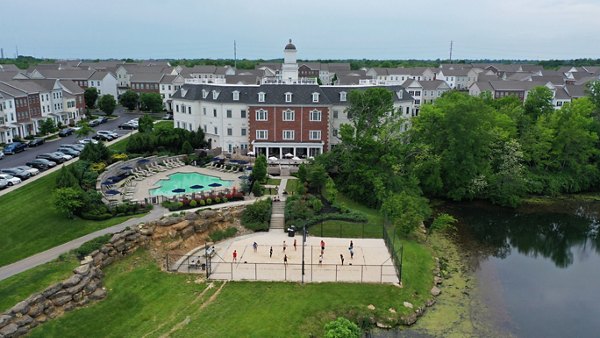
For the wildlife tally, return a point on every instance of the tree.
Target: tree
(317, 177)
(68, 200)
(259, 171)
(90, 96)
(593, 92)
(107, 104)
(342, 328)
(538, 102)
(406, 211)
(151, 102)
(84, 130)
(95, 153)
(129, 100)
(66, 179)
(47, 126)
(443, 222)
(146, 124)
(186, 148)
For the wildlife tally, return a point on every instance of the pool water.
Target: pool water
(186, 181)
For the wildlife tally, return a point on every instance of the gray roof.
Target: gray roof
(98, 75)
(100, 65)
(455, 72)
(71, 87)
(243, 79)
(555, 80)
(9, 68)
(71, 74)
(27, 86)
(333, 93)
(146, 77)
(168, 79)
(518, 76)
(561, 94)
(483, 86)
(575, 91)
(11, 91)
(433, 84)
(290, 46)
(453, 66)
(482, 77)
(515, 85)
(351, 78)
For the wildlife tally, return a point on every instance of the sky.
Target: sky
(320, 29)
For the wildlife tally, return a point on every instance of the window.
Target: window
(204, 93)
(262, 134)
(315, 115)
(215, 94)
(243, 114)
(288, 135)
(288, 97)
(261, 97)
(205, 129)
(314, 135)
(407, 110)
(236, 95)
(343, 96)
(229, 113)
(177, 108)
(288, 115)
(417, 101)
(261, 115)
(204, 110)
(335, 114)
(243, 131)
(335, 132)
(315, 97)
(190, 110)
(214, 112)
(163, 87)
(418, 93)
(216, 131)
(229, 132)
(169, 87)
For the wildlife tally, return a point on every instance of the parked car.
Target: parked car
(15, 147)
(38, 141)
(51, 157)
(68, 151)
(30, 170)
(41, 164)
(10, 179)
(88, 140)
(93, 123)
(78, 147)
(102, 137)
(63, 155)
(128, 126)
(3, 183)
(168, 116)
(1, 154)
(22, 174)
(109, 132)
(102, 119)
(65, 132)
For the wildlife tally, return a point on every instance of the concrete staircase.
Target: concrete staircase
(277, 216)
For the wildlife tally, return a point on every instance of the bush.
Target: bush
(342, 328)
(98, 167)
(119, 157)
(219, 235)
(208, 201)
(193, 204)
(90, 246)
(258, 189)
(202, 203)
(257, 216)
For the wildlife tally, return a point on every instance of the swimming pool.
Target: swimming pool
(187, 183)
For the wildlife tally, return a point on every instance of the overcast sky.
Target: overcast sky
(325, 29)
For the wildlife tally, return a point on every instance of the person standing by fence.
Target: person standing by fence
(351, 252)
(284, 259)
(342, 258)
(284, 246)
(294, 244)
(255, 246)
(271, 252)
(322, 246)
(235, 255)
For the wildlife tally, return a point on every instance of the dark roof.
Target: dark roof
(333, 92)
(290, 46)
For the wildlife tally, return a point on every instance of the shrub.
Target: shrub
(257, 189)
(217, 200)
(219, 235)
(225, 200)
(193, 203)
(90, 246)
(342, 328)
(202, 203)
(208, 201)
(119, 157)
(98, 167)
(257, 216)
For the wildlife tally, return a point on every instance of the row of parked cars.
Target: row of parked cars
(132, 124)
(15, 175)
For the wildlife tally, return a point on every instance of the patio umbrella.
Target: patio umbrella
(214, 185)
(296, 158)
(112, 192)
(289, 155)
(107, 182)
(178, 190)
(250, 153)
(127, 167)
(144, 160)
(196, 186)
(243, 177)
(273, 158)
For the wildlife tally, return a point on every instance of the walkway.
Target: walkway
(278, 209)
(51, 254)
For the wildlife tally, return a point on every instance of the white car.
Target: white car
(109, 134)
(88, 140)
(11, 179)
(63, 155)
(30, 170)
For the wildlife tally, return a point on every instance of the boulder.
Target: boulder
(371, 307)
(430, 302)
(134, 237)
(23, 320)
(83, 269)
(98, 258)
(21, 331)
(58, 301)
(36, 298)
(36, 310)
(191, 216)
(4, 319)
(383, 326)
(92, 285)
(408, 305)
(180, 226)
(51, 290)
(20, 308)
(98, 294)
(187, 232)
(41, 319)
(73, 280)
(147, 231)
(437, 280)
(435, 291)
(78, 297)
(410, 319)
(105, 249)
(9, 330)
(115, 238)
(68, 306)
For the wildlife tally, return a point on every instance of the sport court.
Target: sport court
(371, 263)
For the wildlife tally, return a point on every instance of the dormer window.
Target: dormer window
(399, 93)
(343, 96)
(215, 94)
(204, 93)
(236, 95)
(288, 97)
(183, 92)
(315, 97)
(261, 97)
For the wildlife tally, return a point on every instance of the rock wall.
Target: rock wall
(85, 284)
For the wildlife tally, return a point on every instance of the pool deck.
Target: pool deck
(142, 189)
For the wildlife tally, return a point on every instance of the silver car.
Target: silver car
(3, 183)
(30, 170)
(63, 155)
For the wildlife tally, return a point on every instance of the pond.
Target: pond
(537, 267)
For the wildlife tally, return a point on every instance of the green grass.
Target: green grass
(346, 229)
(120, 146)
(143, 301)
(31, 224)
(273, 181)
(18, 287)
(291, 186)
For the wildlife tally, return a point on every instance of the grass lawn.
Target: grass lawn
(145, 302)
(16, 288)
(346, 229)
(291, 186)
(31, 224)
(273, 181)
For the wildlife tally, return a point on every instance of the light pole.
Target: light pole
(303, 241)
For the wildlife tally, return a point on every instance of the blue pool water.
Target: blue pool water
(186, 181)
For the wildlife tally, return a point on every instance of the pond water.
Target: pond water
(538, 267)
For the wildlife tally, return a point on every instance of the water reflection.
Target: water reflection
(532, 231)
